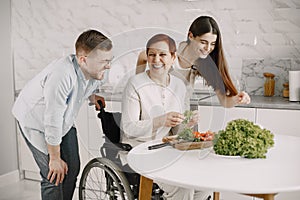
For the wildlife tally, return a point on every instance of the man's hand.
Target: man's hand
(94, 100)
(57, 167)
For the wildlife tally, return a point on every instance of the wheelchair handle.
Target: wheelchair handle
(100, 104)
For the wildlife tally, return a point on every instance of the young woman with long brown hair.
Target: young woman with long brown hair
(202, 55)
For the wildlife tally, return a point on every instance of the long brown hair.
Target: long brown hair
(206, 24)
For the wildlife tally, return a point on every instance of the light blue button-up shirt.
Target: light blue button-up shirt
(48, 105)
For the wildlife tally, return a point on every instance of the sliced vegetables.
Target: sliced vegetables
(188, 116)
(188, 134)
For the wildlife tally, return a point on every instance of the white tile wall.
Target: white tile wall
(45, 30)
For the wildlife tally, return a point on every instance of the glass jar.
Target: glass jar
(285, 91)
(269, 86)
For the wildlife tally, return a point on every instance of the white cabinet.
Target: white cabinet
(89, 133)
(279, 196)
(279, 121)
(89, 130)
(95, 133)
(215, 118)
(95, 127)
(26, 161)
(29, 166)
(82, 127)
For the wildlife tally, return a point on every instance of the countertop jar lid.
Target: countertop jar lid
(267, 74)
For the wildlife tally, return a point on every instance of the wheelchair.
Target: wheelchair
(106, 177)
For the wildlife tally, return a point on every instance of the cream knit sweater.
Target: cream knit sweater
(144, 100)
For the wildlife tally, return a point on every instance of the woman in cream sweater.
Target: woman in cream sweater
(153, 103)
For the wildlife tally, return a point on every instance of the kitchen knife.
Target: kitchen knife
(157, 146)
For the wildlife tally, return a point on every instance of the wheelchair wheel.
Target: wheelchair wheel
(102, 179)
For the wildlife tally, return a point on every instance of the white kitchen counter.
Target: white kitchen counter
(256, 101)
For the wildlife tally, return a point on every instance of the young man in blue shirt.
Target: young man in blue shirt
(47, 107)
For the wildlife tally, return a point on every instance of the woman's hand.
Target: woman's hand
(195, 119)
(243, 98)
(172, 119)
(229, 102)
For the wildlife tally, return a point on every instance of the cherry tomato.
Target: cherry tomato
(207, 136)
(196, 134)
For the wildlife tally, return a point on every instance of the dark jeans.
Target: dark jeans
(69, 153)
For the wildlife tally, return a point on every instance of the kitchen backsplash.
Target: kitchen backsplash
(252, 79)
(257, 35)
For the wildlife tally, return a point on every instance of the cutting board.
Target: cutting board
(193, 145)
(182, 145)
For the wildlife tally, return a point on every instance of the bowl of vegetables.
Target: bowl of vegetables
(243, 138)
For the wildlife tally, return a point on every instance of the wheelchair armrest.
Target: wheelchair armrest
(124, 146)
(116, 146)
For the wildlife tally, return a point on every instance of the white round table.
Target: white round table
(279, 172)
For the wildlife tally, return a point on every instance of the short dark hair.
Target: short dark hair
(162, 38)
(92, 39)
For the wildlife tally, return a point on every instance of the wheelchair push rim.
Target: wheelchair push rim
(102, 179)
